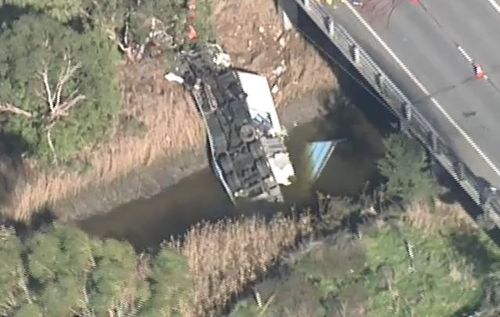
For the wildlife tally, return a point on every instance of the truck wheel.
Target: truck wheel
(248, 133)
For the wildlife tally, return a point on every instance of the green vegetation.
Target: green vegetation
(406, 170)
(424, 262)
(436, 273)
(60, 88)
(204, 23)
(59, 65)
(59, 93)
(60, 10)
(59, 271)
(377, 276)
(408, 266)
(66, 273)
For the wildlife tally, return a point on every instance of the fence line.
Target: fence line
(410, 118)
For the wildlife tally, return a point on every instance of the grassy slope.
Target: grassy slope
(441, 283)
(372, 276)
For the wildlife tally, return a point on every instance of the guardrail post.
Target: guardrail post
(407, 111)
(494, 217)
(487, 194)
(460, 170)
(330, 26)
(379, 79)
(355, 54)
(307, 4)
(287, 23)
(381, 83)
(404, 126)
(434, 142)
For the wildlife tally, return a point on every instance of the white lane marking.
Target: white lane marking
(464, 53)
(425, 91)
(495, 5)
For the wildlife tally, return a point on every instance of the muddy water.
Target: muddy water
(147, 222)
(352, 164)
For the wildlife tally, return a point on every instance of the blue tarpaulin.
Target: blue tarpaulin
(317, 155)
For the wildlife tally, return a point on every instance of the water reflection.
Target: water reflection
(352, 164)
(149, 221)
(200, 197)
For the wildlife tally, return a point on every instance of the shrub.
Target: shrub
(406, 170)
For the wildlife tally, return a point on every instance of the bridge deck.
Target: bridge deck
(425, 38)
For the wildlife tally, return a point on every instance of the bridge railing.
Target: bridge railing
(411, 119)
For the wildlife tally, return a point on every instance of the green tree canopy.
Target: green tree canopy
(406, 170)
(171, 284)
(115, 278)
(66, 273)
(57, 80)
(11, 271)
(29, 310)
(60, 10)
(61, 252)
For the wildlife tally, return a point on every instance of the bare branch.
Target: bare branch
(9, 108)
(48, 91)
(62, 109)
(51, 144)
(59, 104)
(64, 76)
(23, 284)
(112, 36)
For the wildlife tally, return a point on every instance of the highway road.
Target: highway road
(437, 41)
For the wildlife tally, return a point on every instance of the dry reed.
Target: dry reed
(226, 256)
(172, 126)
(432, 217)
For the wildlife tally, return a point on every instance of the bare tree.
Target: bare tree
(58, 102)
(58, 107)
(9, 108)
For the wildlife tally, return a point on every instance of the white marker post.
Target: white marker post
(330, 26)
(355, 54)
(287, 23)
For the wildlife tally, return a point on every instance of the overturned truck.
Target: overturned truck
(245, 138)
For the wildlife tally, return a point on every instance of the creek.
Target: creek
(145, 223)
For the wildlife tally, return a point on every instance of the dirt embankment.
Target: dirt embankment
(172, 146)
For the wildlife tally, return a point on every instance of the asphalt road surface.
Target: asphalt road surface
(438, 41)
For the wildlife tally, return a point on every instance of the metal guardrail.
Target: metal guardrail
(410, 118)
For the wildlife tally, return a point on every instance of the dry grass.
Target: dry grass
(226, 256)
(172, 126)
(439, 216)
(251, 32)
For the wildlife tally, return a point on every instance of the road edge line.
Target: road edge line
(495, 5)
(424, 90)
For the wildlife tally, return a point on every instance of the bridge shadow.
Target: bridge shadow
(353, 89)
(12, 168)
(353, 86)
(455, 194)
(351, 83)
